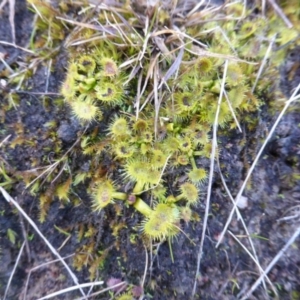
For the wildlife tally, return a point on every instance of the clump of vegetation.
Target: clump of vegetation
(164, 104)
(147, 94)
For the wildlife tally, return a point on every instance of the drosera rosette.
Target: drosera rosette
(140, 125)
(186, 214)
(188, 192)
(198, 133)
(75, 72)
(182, 160)
(185, 103)
(158, 158)
(139, 171)
(203, 65)
(69, 88)
(104, 193)
(85, 109)
(159, 193)
(109, 67)
(123, 149)
(171, 145)
(185, 144)
(125, 296)
(163, 222)
(110, 93)
(235, 75)
(145, 136)
(208, 110)
(86, 64)
(237, 96)
(196, 175)
(119, 129)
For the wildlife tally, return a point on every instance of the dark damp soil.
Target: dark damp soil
(271, 216)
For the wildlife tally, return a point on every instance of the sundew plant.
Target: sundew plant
(147, 83)
(161, 86)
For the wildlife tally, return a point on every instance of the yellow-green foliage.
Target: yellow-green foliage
(157, 129)
(147, 139)
(92, 83)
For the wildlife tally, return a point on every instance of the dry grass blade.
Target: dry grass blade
(210, 179)
(197, 6)
(201, 52)
(48, 171)
(272, 263)
(145, 43)
(178, 33)
(3, 4)
(174, 67)
(239, 216)
(138, 96)
(5, 140)
(6, 65)
(36, 268)
(85, 25)
(16, 46)
(52, 167)
(146, 267)
(280, 13)
(48, 75)
(264, 62)
(288, 103)
(149, 98)
(105, 290)
(199, 17)
(156, 100)
(262, 272)
(153, 62)
(14, 270)
(25, 236)
(9, 199)
(232, 112)
(12, 19)
(72, 288)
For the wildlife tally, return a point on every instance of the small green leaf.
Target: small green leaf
(11, 235)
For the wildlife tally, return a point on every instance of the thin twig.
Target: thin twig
(3, 3)
(12, 19)
(105, 290)
(271, 264)
(211, 173)
(72, 288)
(146, 267)
(48, 71)
(262, 272)
(53, 166)
(156, 100)
(232, 112)
(16, 46)
(14, 270)
(174, 67)
(281, 14)
(25, 237)
(264, 62)
(239, 216)
(36, 268)
(9, 199)
(292, 99)
(5, 140)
